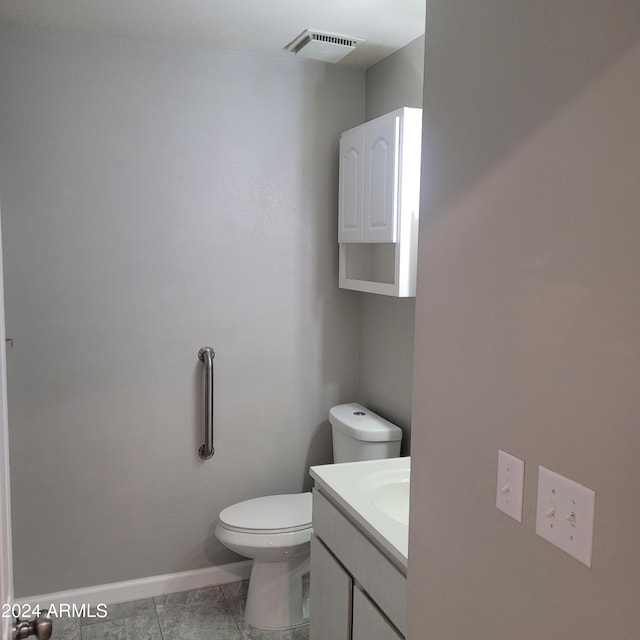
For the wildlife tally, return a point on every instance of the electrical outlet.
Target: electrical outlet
(565, 514)
(510, 486)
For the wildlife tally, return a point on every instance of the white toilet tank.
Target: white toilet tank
(360, 434)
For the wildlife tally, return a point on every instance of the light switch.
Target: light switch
(510, 487)
(565, 514)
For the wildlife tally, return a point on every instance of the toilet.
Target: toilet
(275, 531)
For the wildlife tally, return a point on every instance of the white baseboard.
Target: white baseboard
(144, 587)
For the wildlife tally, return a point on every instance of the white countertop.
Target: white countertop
(352, 486)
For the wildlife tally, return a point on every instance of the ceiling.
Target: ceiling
(260, 27)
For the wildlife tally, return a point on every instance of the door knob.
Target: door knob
(41, 627)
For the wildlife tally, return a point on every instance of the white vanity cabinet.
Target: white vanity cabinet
(357, 593)
(379, 196)
(368, 622)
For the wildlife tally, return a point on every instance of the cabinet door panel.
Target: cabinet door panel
(331, 596)
(380, 214)
(368, 622)
(350, 204)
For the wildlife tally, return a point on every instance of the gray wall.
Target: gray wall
(387, 324)
(396, 81)
(528, 315)
(155, 199)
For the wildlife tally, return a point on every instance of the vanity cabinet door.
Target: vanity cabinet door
(331, 596)
(368, 622)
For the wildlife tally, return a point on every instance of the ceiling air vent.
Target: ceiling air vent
(327, 47)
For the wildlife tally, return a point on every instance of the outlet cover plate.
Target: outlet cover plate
(565, 514)
(510, 485)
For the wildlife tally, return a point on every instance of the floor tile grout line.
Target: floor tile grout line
(155, 612)
(233, 611)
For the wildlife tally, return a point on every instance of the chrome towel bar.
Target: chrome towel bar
(206, 355)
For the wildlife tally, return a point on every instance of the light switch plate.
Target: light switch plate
(510, 485)
(565, 514)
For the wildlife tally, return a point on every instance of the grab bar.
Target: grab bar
(206, 355)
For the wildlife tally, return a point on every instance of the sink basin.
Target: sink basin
(393, 500)
(388, 492)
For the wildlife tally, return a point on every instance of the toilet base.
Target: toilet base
(275, 599)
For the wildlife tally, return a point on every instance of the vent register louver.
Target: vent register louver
(327, 47)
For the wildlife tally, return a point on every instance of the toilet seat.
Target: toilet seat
(277, 514)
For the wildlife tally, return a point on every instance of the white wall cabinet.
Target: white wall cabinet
(357, 593)
(379, 197)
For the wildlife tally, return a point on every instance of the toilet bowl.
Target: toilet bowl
(275, 531)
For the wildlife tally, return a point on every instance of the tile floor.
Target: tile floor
(211, 613)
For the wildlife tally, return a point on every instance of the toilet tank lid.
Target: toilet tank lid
(361, 423)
